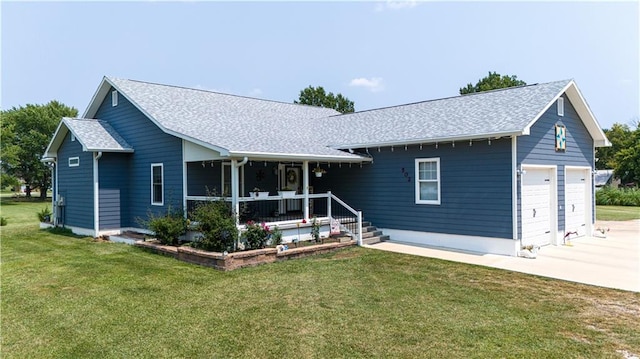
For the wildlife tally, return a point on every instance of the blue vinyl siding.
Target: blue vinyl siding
(75, 184)
(539, 149)
(151, 145)
(475, 189)
(114, 189)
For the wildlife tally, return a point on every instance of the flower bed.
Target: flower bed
(242, 259)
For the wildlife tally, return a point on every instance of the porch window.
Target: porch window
(157, 186)
(427, 180)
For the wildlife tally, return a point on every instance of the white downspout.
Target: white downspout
(305, 187)
(96, 194)
(235, 186)
(514, 190)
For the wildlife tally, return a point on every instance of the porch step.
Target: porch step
(370, 234)
(376, 239)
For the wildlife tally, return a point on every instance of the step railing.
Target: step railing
(268, 210)
(350, 219)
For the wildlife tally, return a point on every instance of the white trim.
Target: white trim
(96, 193)
(161, 203)
(299, 157)
(503, 246)
(417, 180)
(76, 161)
(184, 181)
(114, 98)
(514, 185)
(560, 106)
(589, 194)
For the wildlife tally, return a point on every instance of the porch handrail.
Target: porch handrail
(357, 213)
(250, 199)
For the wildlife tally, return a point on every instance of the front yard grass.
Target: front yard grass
(617, 213)
(78, 298)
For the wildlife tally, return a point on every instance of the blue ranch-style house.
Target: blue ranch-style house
(489, 172)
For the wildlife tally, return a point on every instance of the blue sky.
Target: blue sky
(375, 53)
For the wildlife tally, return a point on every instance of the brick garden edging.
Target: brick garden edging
(242, 259)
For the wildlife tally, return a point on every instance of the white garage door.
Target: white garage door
(576, 202)
(536, 207)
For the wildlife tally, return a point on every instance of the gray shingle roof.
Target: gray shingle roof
(506, 111)
(234, 123)
(96, 135)
(252, 126)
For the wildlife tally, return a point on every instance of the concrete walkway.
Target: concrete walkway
(612, 262)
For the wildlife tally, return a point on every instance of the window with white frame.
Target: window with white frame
(74, 161)
(114, 98)
(427, 180)
(157, 184)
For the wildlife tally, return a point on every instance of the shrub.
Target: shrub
(3, 221)
(609, 196)
(169, 227)
(256, 235)
(217, 224)
(45, 215)
(315, 229)
(276, 236)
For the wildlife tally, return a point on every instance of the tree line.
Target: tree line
(26, 132)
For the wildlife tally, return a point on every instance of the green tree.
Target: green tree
(316, 96)
(491, 82)
(627, 159)
(619, 135)
(26, 132)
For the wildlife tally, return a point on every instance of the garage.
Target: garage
(577, 210)
(537, 205)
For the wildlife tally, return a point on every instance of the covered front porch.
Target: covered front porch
(276, 192)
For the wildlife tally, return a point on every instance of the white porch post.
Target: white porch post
(235, 189)
(329, 204)
(305, 186)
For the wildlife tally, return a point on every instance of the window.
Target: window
(74, 161)
(73, 138)
(157, 188)
(560, 106)
(114, 98)
(427, 181)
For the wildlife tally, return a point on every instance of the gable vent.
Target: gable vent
(114, 98)
(560, 106)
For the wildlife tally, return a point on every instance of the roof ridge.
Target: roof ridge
(218, 93)
(452, 97)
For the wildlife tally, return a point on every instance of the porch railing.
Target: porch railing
(276, 209)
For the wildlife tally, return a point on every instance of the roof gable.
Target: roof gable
(93, 135)
(229, 124)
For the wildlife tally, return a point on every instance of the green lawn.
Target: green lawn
(617, 213)
(77, 298)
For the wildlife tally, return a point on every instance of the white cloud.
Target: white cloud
(396, 5)
(373, 84)
(255, 92)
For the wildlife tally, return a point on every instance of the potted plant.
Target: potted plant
(286, 192)
(256, 193)
(319, 171)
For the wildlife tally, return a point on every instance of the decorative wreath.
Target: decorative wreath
(292, 176)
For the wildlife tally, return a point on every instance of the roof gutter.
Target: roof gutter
(300, 157)
(494, 135)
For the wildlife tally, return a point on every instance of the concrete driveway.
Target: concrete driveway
(612, 262)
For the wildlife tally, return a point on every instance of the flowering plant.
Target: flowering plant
(319, 170)
(256, 235)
